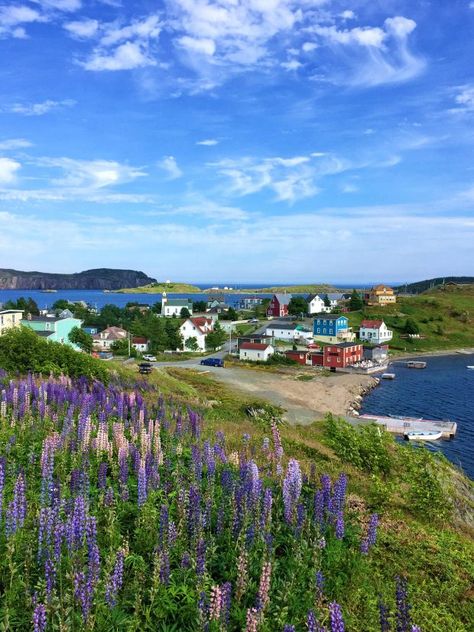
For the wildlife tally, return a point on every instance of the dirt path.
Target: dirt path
(304, 401)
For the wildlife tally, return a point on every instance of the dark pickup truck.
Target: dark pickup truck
(145, 368)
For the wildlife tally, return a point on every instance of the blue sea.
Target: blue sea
(444, 390)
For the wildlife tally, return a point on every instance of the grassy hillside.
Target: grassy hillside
(296, 289)
(445, 315)
(159, 288)
(423, 286)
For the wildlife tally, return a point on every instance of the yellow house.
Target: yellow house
(9, 318)
(381, 295)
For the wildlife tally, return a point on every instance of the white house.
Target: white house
(316, 304)
(375, 331)
(198, 328)
(173, 306)
(255, 351)
(287, 331)
(140, 343)
(104, 340)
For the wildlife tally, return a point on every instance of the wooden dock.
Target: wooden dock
(403, 425)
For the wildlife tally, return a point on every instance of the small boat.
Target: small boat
(48, 291)
(388, 376)
(423, 436)
(416, 364)
(470, 366)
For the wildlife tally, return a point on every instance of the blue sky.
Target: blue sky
(238, 140)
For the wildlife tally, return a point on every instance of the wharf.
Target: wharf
(402, 425)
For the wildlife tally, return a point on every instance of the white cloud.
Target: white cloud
(348, 15)
(293, 64)
(170, 165)
(82, 29)
(90, 174)
(203, 45)
(38, 109)
(308, 47)
(8, 169)
(119, 47)
(14, 143)
(208, 142)
(465, 98)
(125, 57)
(13, 16)
(378, 55)
(60, 5)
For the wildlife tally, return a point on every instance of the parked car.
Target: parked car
(149, 357)
(213, 362)
(253, 320)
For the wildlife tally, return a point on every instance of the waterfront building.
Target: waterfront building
(342, 355)
(173, 306)
(375, 331)
(255, 351)
(332, 328)
(288, 331)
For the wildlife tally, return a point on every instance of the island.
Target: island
(97, 279)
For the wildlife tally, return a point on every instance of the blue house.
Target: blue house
(332, 328)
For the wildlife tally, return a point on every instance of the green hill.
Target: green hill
(159, 288)
(422, 286)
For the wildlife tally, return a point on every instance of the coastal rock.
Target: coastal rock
(99, 279)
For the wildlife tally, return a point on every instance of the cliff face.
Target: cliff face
(100, 279)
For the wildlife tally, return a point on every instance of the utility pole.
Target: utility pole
(128, 338)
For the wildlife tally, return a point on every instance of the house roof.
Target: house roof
(44, 334)
(44, 319)
(372, 324)
(139, 340)
(283, 299)
(254, 346)
(176, 302)
(334, 296)
(330, 316)
(111, 333)
(11, 311)
(345, 345)
(381, 288)
(311, 297)
(282, 326)
(200, 322)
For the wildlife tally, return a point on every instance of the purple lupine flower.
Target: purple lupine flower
(226, 598)
(39, 618)
(165, 568)
(3, 465)
(289, 628)
(16, 511)
(50, 576)
(318, 514)
(383, 617)
(93, 553)
(300, 517)
(267, 507)
(340, 525)
(415, 628)
(200, 558)
(291, 488)
(326, 489)
(311, 622)
(203, 606)
(319, 585)
(142, 487)
(102, 476)
(114, 583)
(339, 494)
(78, 522)
(335, 614)
(109, 497)
(164, 524)
(186, 560)
(403, 622)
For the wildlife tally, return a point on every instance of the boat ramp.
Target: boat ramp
(404, 425)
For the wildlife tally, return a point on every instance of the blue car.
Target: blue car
(213, 362)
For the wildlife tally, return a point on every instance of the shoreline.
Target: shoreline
(426, 354)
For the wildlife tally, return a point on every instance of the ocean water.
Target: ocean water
(444, 390)
(98, 299)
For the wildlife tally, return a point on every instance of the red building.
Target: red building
(306, 358)
(278, 306)
(342, 355)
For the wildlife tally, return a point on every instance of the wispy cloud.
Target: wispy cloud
(170, 166)
(377, 55)
(82, 29)
(464, 98)
(14, 143)
(208, 142)
(90, 174)
(14, 17)
(38, 109)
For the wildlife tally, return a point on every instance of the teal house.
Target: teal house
(53, 327)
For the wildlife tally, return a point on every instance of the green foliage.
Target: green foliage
(355, 302)
(28, 305)
(23, 351)
(192, 344)
(216, 338)
(185, 313)
(297, 306)
(81, 338)
(411, 327)
(365, 446)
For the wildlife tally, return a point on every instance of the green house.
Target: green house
(53, 328)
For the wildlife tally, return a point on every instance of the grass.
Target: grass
(444, 315)
(159, 288)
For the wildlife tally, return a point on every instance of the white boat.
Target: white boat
(470, 366)
(423, 436)
(388, 376)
